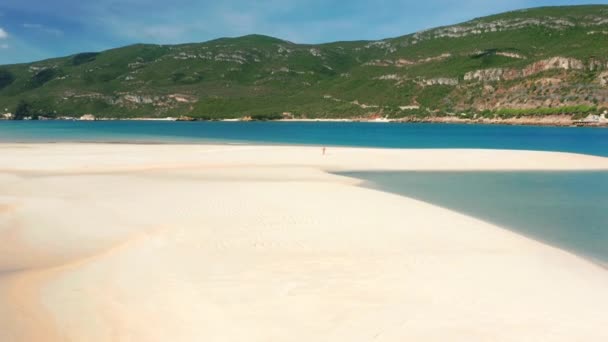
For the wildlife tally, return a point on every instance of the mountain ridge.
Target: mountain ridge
(540, 61)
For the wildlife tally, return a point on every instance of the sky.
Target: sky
(37, 29)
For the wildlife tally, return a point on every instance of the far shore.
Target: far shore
(549, 121)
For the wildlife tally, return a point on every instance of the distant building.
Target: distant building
(8, 116)
(185, 118)
(87, 117)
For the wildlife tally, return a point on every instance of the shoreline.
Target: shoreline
(448, 120)
(260, 243)
(368, 184)
(212, 143)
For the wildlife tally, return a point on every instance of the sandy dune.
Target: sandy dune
(259, 243)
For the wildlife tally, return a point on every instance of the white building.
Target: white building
(87, 117)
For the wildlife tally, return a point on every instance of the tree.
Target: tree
(23, 110)
(6, 78)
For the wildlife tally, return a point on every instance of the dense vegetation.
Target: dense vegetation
(429, 73)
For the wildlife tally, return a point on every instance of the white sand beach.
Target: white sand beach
(111, 242)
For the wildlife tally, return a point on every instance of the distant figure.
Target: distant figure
(323, 150)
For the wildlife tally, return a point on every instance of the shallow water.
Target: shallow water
(565, 209)
(390, 135)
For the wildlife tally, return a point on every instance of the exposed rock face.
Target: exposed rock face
(409, 107)
(388, 77)
(553, 63)
(594, 64)
(381, 44)
(485, 75)
(139, 99)
(603, 78)
(230, 58)
(593, 118)
(510, 55)
(435, 58)
(363, 105)
(182, 98)
(480, 27)
(498, 74)
(401, 62)
(380, 62)
(315, 52)
(439, 81)
(224, 55)
(131, 100)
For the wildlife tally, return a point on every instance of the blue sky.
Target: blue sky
(37, 29)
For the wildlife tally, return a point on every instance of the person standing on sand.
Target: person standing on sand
(323, 150)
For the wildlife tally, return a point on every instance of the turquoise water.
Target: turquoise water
(565, 209)
(390, 135)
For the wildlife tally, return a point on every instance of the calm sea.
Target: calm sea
(566, 209)
(391, 135)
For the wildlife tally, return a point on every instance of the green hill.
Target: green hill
(536, 61)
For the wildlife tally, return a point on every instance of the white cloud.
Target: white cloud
(3, 33)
